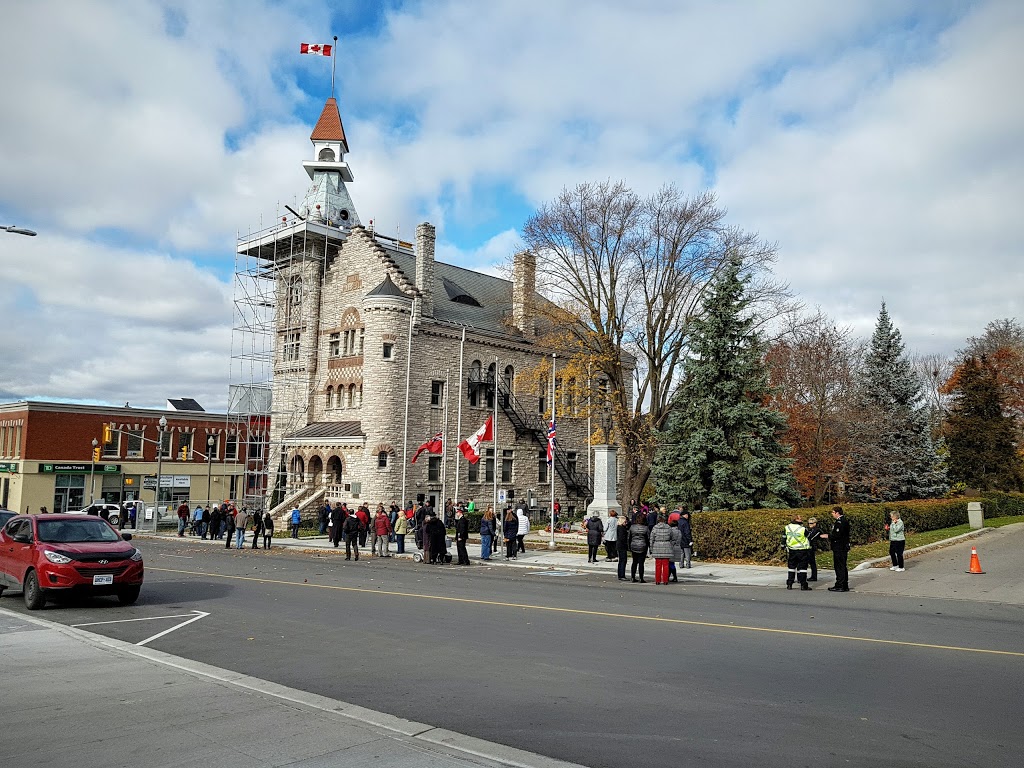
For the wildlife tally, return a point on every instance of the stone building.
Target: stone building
(377, 347)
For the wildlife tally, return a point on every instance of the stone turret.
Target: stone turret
(524, 290)
(425, 235)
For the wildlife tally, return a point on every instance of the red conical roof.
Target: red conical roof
(329, 127)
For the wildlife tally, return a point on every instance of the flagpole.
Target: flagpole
(444, 441)
(494, 436)
(334, 53)
(551, 544)
(458, 426)
(408, 374)
(590, 398)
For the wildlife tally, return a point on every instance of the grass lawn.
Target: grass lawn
(881, 548)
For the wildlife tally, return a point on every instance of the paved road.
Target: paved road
(943, 573)
(587, 670)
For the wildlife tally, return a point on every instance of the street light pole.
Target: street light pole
(209, 465)
(159, 470)
(92, 472)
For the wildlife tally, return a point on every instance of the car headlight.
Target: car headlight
(56, 557)
(136, 556)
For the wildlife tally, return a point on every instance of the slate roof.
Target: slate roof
(493, 293)
(329, 127)
(387, 288)
(320, 429)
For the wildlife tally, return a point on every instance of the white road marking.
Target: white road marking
(158, 635)
(147, 618)
(183, 557)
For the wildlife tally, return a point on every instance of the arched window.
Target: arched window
(492, 373)
(360, 395)
(475, 377)
(293, 300)
(352, 396)
(570, 398)
(330, 397)
(327, 155)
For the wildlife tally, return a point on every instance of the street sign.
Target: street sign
(10, 466)
(80, 469)
(502, 495)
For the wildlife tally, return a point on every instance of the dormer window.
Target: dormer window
(327, 155)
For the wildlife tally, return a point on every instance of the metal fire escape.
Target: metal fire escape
(525, 423)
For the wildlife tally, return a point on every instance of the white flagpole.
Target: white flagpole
(444, 441)
(408, 375)
(590, 398)
(494, 434)
(334, 54)
(552, 470)
(458, 426)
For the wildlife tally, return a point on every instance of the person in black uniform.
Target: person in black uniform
(337, 523)
(840, 539)
(816, 536)
(461, 536)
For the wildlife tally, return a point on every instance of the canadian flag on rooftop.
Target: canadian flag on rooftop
(470, 447)
(315, 48)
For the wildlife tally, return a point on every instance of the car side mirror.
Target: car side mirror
(126, 536)
(22, 538)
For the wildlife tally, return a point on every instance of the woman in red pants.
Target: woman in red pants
(662, 538)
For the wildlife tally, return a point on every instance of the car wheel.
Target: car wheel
(2, 591)
(128, 595)
(114, 520)
(35, 597)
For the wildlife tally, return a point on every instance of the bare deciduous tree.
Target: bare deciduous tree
(633, 272)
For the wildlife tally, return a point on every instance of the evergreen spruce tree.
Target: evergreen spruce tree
(893, 453)
(980, 435)
(720, 448)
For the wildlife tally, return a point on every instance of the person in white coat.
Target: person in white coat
(611, 535)
(524, 528)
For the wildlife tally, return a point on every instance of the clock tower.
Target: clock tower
(327, 199)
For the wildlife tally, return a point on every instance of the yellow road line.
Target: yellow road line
(605, 614)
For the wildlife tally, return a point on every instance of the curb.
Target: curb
(866, 564)
(360, 716)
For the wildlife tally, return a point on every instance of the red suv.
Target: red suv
(48, 554)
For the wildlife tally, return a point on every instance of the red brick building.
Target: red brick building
(61, 456)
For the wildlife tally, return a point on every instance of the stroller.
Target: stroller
(445, 557)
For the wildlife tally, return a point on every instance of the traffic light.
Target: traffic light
(96, 454)
(108, 434)
(183, 453)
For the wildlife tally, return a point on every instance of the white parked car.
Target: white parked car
(113, 511)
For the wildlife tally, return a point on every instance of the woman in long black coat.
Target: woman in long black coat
(436, 533)
(595, 532)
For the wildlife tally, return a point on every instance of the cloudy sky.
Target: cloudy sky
(879, 144)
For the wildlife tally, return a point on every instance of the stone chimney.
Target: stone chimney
(524, 289)
(425, 236)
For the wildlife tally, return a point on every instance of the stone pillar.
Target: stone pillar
(524, 287)
(605, 481)
(425, 236)
(975, 515)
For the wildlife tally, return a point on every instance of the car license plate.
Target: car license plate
(103, 578)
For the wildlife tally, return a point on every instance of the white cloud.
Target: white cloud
(877, 142)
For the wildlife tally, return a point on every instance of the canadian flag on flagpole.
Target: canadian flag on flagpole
(470, 447)
(433, 445)
(315, 48)
(551, 441)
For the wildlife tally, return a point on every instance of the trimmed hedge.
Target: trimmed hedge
(757, 534)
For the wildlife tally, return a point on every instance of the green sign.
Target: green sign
(9, 467)
(80, 469)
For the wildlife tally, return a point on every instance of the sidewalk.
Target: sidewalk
(71, 697)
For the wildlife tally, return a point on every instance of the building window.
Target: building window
(231, 448)
(542, 466)
(434, 469)
(255, 447)
(326, 155)
(293, 300)
(360, 395)
(165, 444)
(185, 443)
(506, 466)
(570, 462)
(489, 466)
(542, 401)
(134, 450)
(352, 396)
(362, 338)
(330, 397)
(389, 350)
(492, 379)
(212, 450)
(334, 348)
(382, 460)
(570, 404)
(436, 394)
(113, 448)
(474, 473)
(291, 346)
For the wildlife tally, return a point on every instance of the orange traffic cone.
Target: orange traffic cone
(975, 562)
